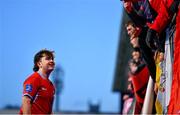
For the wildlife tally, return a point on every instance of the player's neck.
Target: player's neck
(44, 74)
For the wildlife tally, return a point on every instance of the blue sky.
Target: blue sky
(84, 35)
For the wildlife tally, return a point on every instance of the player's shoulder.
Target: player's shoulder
(34, 77)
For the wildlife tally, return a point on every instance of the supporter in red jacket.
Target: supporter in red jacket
(139, 76)
(137, 34)
(155, 14)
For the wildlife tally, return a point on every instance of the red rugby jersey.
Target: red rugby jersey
(41, 92)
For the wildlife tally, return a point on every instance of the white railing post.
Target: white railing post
(149, 98)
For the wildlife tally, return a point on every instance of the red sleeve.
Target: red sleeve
(140, 79)
(31, 86)
(174, 105)
(163, 16)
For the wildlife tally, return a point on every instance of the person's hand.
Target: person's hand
(134, 42)
(156, 88)
(151, 39)
(133, 68)
(136, 33)
(128, 6)
(125, 97)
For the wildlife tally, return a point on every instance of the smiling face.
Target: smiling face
(136, 55)
(130, 30)
(46, 63)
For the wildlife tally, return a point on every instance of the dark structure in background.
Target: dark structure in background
(94, 108)
(58, 80)
(123, 56)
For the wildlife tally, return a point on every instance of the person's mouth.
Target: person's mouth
(52, 64)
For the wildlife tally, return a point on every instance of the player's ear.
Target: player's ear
(39, 64)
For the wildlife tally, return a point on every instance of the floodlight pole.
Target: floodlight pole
(58, 82)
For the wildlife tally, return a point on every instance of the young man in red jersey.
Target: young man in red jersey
(38, 90)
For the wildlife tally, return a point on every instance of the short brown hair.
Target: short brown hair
(41, 54)
(129, 23)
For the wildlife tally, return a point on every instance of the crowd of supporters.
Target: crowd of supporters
(147, 31)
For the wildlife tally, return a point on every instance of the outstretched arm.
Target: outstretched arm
(137, 19)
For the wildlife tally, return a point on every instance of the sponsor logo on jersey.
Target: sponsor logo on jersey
(28, 88)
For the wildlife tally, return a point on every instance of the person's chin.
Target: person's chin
(51, 69)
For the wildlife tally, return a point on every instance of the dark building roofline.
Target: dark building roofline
(123, 56)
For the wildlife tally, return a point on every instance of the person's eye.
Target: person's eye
(49, 58)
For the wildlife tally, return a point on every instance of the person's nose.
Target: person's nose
(51, 60)
(129, 32)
